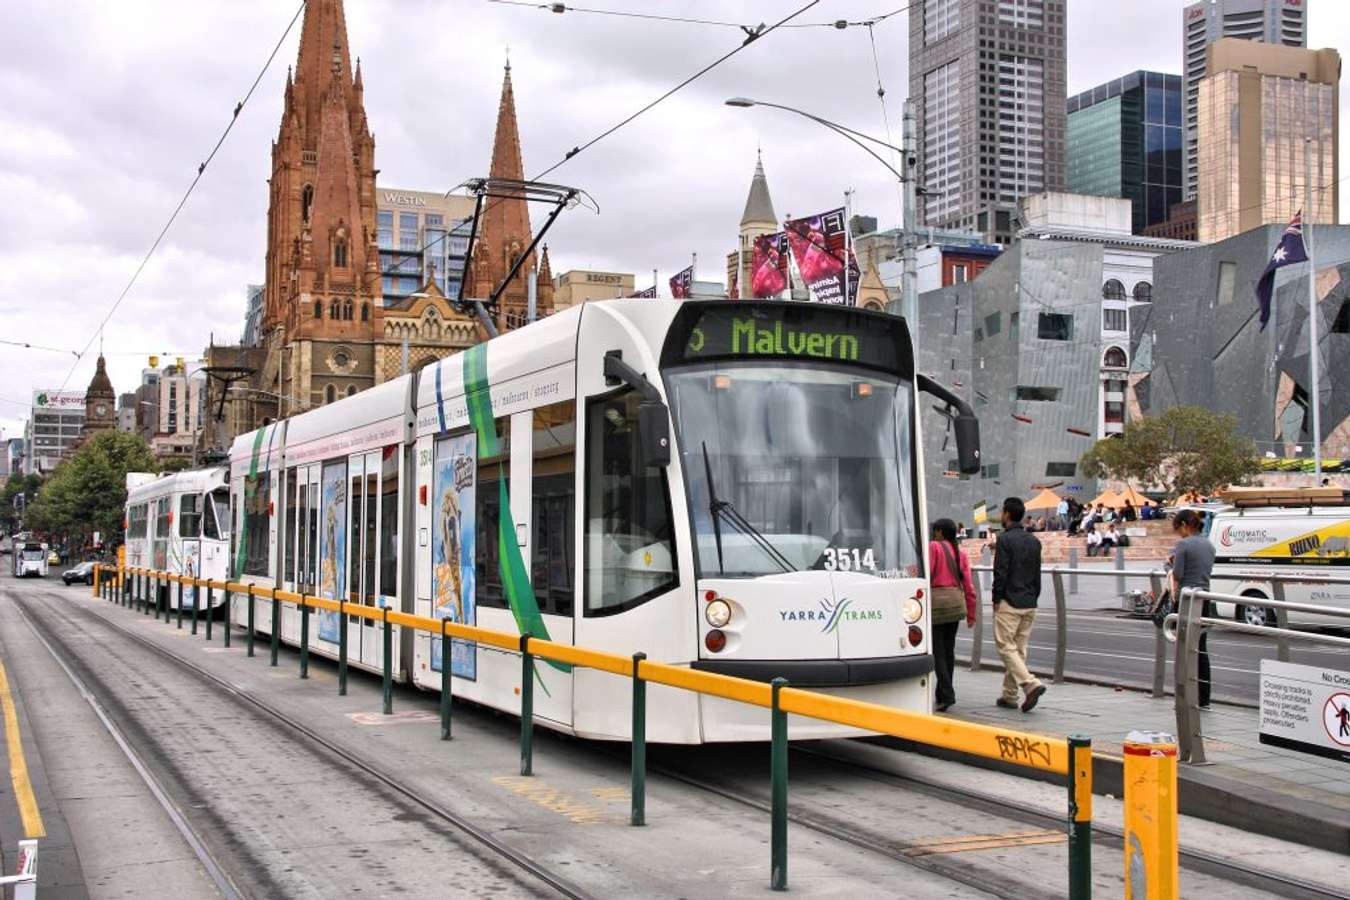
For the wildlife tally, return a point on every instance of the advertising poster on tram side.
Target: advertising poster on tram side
(332, 546)
(818, 246)
(192, 567)
(453, 539)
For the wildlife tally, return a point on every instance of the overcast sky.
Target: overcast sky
(109, 107)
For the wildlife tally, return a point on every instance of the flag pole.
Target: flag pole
(848, 240)
(1312, 312)
(656, 288)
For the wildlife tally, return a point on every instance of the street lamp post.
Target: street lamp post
(909, 277)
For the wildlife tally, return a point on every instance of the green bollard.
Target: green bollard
(252, 608)
(210, 608)
(342, 648)
(154, 587)
(1080, 817)
(388, 665)
(229, 613)
(445, 684)
(195, 604)
(638, 787)
(304, 638)
(180, 603)
(276, 626)
(526, 707)
(779, 763)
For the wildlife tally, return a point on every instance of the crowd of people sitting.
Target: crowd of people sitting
(1102, 526)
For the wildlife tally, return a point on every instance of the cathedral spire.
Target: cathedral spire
(323, 50)
(758, 204)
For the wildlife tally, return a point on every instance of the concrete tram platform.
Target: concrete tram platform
(1268, 790)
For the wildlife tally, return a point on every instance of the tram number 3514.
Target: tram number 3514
(849, 559)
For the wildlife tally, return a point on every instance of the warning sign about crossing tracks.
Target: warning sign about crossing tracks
(1305, 708)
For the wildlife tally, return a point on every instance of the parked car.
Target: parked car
(83, 573)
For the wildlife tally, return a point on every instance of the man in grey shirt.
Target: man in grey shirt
(1192, 564)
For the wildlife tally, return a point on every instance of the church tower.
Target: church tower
(505, 230)
(323, 305)
(758, 219)
(100, 403)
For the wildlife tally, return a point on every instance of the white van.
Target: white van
(30, 558)
(1291, 532)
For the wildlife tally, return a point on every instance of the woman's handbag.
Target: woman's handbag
(949, 603)
(1163, 608)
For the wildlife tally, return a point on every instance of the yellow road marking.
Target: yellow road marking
(986, 842)
(18, 767)
(550, 798)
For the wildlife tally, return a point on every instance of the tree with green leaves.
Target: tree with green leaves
(1186, 448)
(88, 492)
(28, 486)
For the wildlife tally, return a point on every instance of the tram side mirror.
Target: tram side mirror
(654, 433)
(967, 429)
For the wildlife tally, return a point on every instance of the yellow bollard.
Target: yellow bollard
(1151, 816)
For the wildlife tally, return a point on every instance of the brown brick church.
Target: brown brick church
(326, 329)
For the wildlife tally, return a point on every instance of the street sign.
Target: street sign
(1305, 708)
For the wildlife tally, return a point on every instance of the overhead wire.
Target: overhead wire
(201, 170)
(691, 20)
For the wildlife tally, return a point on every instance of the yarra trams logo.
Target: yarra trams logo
(830, 614)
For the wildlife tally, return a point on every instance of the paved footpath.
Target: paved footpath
(1270, 790)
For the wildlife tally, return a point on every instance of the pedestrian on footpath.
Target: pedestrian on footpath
(1062, 511)
(1192, 564)
(954, 599)
(1016, 591)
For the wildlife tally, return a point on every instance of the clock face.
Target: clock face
(101, 410)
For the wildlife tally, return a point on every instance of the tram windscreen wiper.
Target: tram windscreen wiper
(718, 508)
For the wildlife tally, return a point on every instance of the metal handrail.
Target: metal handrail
(1189, 623)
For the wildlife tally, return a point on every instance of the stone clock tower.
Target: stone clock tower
(100, 403)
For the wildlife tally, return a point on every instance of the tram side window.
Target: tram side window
(288, 538)
(216, 514)
(257, 495)
(136, 521)
(492, 470)
(190, 516)
(389, 521)
(159, 549)
(630, 546)
(554, 507)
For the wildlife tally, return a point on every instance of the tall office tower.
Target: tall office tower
(1259, 106)
(1124, 140)
(1202, 23)
(988, 80)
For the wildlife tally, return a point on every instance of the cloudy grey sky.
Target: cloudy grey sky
(109, 107)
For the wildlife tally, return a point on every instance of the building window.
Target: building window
(1014, 326)
(1054, 327)
(330, 394)
(1115, 320)
(1039, 394)
(340, 254)
(993, 323)
(347, 310)
(306, 201)
(959, 273)
(365, 312)
(1061, 469)
(1113, 386)
(1342, 323)
(1113, 290)
(351, 390)
(1114, 357)
(407, 222)
(1223, 295)
(333, 311)
(1143, 292)
(989, 471)
(1114, 412)
(318, 309)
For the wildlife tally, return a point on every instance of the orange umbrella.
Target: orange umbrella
(1136, 499)
(1108, 498)
(1046, 499)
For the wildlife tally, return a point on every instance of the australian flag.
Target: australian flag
(1288, 251)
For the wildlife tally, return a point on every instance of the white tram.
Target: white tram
(529, 484)
(180, 523)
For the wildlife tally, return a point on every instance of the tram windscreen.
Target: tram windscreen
(793, 467)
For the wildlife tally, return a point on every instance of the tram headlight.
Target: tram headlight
(913, 611)
(718, 613)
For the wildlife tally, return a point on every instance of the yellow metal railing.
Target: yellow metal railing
(1069, 756)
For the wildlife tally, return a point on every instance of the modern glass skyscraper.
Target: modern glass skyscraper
(987, 78)
(1125, 139)
(1206, 21)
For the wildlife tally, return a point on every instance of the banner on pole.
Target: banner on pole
(818, 246)
(645, 293)
(769, 265)
(681, 282)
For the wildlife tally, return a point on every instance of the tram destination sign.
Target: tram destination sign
(796, 331)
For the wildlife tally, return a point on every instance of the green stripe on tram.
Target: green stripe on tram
(242, 552)
(515, 577)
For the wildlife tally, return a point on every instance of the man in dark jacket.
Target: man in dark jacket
(1016, 590)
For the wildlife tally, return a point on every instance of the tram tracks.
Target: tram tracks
(222, 850)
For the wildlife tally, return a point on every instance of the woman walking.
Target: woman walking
(953, 599)
(1192, 563)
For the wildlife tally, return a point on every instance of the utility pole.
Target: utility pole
(909, 296)
(1315, 394)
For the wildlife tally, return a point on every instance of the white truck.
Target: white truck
(1303, 533)
(30, 558)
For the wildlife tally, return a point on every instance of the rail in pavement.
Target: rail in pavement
(1069, 757)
